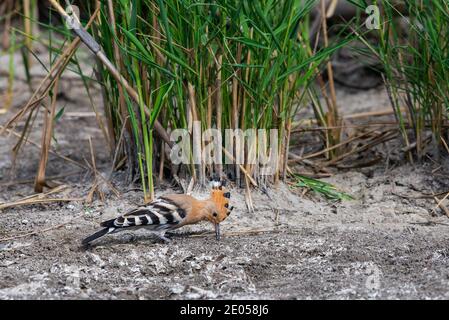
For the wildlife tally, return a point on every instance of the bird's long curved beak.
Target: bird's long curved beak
(217, 231)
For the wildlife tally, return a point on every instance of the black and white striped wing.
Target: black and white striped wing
(159, 214)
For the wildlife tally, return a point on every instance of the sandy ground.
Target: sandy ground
(388, 243)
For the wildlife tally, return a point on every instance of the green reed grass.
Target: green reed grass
(413, 47)
(226, 63)
(326, 189)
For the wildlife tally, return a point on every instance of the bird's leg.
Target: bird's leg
(161, 236)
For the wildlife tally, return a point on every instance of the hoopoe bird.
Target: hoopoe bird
(171, 212)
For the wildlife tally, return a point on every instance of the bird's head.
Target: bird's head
(220, 209)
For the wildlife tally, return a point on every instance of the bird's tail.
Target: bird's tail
(97, 235)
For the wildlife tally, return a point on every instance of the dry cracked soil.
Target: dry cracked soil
(390, 242)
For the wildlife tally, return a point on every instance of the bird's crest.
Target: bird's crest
(220, 196)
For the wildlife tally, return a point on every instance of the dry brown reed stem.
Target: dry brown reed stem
(40, 198)
(96, 49)
(441, 205)
(95, 185)
(288, 135)
(248, 175)
(440, 202)
(313, 155)
(236, 99)
(332, 116)
(195, 133)
(218, 106)
(6, 9)
(28, 29)
(34, 144)
(383, 137)
(445, 144)
(47, 134)
(49, 178)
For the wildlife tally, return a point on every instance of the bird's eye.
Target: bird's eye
(226, 205)
(214, 214)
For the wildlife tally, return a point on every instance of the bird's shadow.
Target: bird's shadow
(128, 238)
